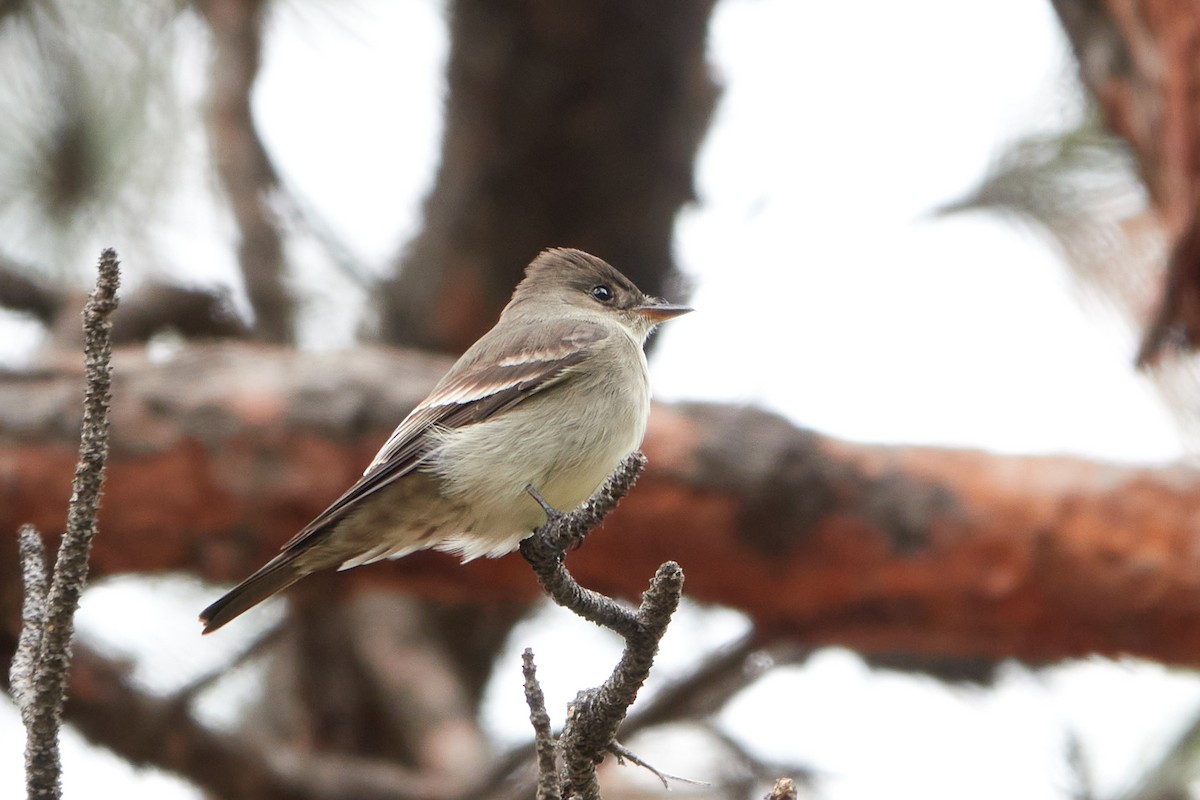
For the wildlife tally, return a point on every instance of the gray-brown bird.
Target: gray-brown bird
(553, 397)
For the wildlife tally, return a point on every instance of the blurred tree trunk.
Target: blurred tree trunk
(570, 123)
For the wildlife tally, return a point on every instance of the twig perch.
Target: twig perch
(547, 547)
(32, 554)
(543, 739)
(596, 713)
(784, 789)
(39, 672)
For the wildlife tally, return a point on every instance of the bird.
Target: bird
(552, 398)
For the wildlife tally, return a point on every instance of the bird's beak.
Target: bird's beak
(659, 311)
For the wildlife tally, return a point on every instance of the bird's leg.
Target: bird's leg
(552, 513)
(577, 532)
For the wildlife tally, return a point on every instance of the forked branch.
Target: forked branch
(596, 713)
(39, 672)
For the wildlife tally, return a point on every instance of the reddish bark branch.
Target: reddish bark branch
(1140, 59)
(219, 456)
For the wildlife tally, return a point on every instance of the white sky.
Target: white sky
(823, 291)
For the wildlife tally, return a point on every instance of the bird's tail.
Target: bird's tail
(276, 575)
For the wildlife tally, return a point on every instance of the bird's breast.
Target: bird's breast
(564, 441)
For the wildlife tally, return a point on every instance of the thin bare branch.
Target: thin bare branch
(784, 789)
(186, 694)
(33, 613)
(707, 689)
(623, 754)
(546, 548)
(43, 766)
(688, 698)
(547, 751)
(742, 765)
(109, 708)
(597, 713)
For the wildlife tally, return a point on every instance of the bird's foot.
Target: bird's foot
(552, 513)
(574, 533)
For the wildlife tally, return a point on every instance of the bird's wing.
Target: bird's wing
(469, 393)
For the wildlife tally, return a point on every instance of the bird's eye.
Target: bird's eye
(602, 293)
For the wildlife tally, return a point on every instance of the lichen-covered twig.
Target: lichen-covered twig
(546, 548)
(40, 691)
(543, 739)
(21, 672)
(597, 713)
(784, 789)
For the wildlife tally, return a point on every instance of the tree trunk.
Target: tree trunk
(567, 124)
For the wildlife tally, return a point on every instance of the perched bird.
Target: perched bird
(553, 397)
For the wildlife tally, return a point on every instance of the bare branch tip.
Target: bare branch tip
(670, 570)
(32, 552)
(44, 647)
(544, 745)
(103, 300)
(630, 469)
(784, 789)
(23, 670)
(29, 543)
(668, 579)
